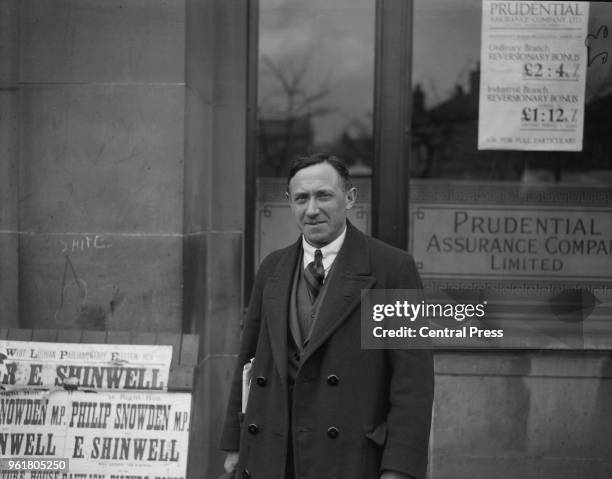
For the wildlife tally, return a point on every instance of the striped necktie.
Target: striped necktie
(314, 274)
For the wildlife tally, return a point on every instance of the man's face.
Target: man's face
(320, 203)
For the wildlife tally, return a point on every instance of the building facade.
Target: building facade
(143, 148)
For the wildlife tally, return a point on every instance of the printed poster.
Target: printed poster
(101, 435)
(30, 364)
(533, 72)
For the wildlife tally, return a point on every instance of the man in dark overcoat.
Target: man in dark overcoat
(319, 406)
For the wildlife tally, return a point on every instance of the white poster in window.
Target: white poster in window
(533, 70)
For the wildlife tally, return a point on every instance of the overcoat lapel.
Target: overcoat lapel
(276, 300)
(343, 295)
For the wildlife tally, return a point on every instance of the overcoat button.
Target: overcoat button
(296, 356)
(333, 380)
(261, 381)
(333, 432)
(246, 474)
(253, 429)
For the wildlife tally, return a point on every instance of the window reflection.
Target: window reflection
(459, 194)
(446, 76)
(316, 64)
(315, 94)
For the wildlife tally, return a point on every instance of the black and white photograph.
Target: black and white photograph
(305, 239)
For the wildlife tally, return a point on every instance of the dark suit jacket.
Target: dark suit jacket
(355, 412)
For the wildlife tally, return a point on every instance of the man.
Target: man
(319, 406)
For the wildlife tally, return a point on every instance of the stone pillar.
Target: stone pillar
(131, 179)
(101, 164)
(9, 135)
(216, 53)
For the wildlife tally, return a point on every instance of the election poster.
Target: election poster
(93, 435)
(533, 75)
(29, 364)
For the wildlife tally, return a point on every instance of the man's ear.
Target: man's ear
(287, 197)
(351, 197)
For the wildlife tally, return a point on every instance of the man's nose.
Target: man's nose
(312, 208)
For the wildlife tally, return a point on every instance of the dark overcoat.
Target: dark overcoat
(354, 412)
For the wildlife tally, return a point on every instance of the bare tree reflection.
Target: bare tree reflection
(287, 113)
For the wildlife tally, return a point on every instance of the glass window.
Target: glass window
(532, 221)
(315, 94)
(446, 74)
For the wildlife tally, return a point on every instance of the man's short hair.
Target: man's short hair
(316, 158)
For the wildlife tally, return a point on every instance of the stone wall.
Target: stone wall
(527, 414)
(100, 155)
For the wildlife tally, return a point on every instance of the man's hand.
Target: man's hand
(394, 475)
(231, 461)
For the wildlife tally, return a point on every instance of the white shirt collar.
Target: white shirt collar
(330, 251)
